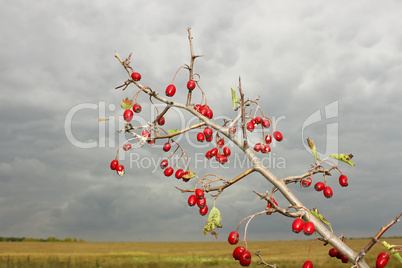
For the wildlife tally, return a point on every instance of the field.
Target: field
(288, 254)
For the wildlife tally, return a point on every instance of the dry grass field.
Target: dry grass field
(288, 254)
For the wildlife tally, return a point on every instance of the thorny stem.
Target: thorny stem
(191, 67)
(243, 116)
(376, 238)
(262, 262)
(220, 189)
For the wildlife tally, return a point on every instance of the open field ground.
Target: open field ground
(288, 254)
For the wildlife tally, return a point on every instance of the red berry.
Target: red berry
(120, 170)
(114, 164)
(127, 147)
(200, 137)
(207, 132)
(245, 258)
(169, 171)
(192, 200)
(161, 121)
(328, 192)
(221, 142)
(265, 148)
(221, 158)
(199, 193)
(209, 113)
(253, 121)
(297, 225)
(268, 139)
(226, 151)
(128, 115)
(308, 264)
(204, 210)
(208, 155)
(167, 147)
(269, 206)
(278, 136)
(208, 139)
(145, 133)
(136, 76)
(381, 262)
(343, 180)
(184, 179)
(191, 84)
(265, 123)
(203, 110)
(250, 126)
(137, 108)
(308, 228)
(343, 258)
(306, 182)
(237, 252)
(258, 119)
(170, 90)
(319, 186)
(333, 252)
(232, 130)
(201, 202)
(383, 255)
(179, 173)
(214, 151)
(151, 142)
(164, 164)
(257, 147)
(233, 238)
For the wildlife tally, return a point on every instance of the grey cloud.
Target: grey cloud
(298, 58)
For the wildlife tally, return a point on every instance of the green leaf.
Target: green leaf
(312, 147)
(190, 175)
(392, 251)
(321, 218)
(344, 158)
(171, 131)
(213, 221)
(127, 104)
(234, 99)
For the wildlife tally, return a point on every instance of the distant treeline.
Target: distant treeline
(27, 239)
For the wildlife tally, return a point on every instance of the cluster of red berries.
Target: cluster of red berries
(220, 156)
(114, 165)
(263, 147)
(382, 260)
(333, 252)
(299, 225)
(320, 186)
(168, 171)
(240, 253)
(198, 198)
(204, 110)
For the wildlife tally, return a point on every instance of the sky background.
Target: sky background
(57, 58)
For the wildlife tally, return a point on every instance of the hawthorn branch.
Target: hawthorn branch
(307, 174)
(224, 186)
(257, 165)
(191, 67)
(262, 262)
(274, 208)
(243, 117)
(376, 238)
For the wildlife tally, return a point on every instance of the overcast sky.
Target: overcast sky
(341, 60)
